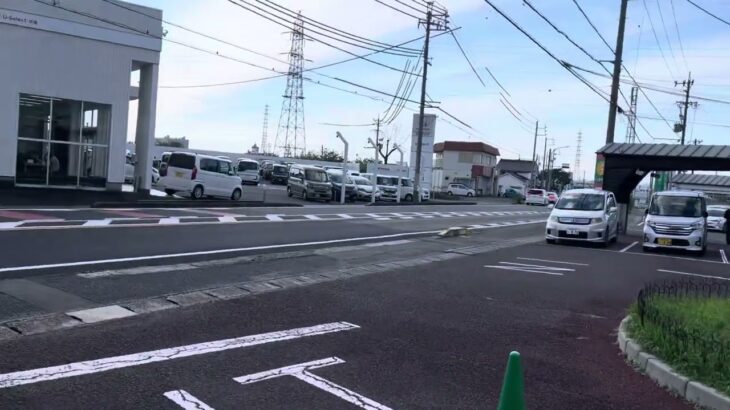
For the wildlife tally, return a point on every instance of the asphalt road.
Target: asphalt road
(436, 336)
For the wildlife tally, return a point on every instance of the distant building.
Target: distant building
(468, 163)
(168, 141)
(254, 149)
(515, 174)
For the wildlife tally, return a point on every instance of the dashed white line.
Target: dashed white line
(97, 222)
(723, 256)
(227, 219)
(275, 218)
(377, 244)
(136, 359)
(629, 247)
(313, 217)
(551, 261)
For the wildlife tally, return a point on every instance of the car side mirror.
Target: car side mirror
(551, 206)
(612, 209)
(705, 214)
(646, 211)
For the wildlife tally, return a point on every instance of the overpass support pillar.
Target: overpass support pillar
(623, 217)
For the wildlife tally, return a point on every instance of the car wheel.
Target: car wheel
(646, 249)
(469, 194)
(236, 196)
(304, 194)
(409, 197)
(288, 191)
(170, 192)
(550, 241)
(606, 238)
(450, 193)
(197, 192)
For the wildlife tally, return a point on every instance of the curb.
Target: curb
(663, 374)
(190, 203)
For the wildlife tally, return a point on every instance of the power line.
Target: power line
(396, 9)
(463, 53)
(373, 90)
(666, 33)
(312, 22)
(593, 26)
(708, 12)
(679, 37)
(410, 7)
(497, 81)
(308, 37)
(656, 37)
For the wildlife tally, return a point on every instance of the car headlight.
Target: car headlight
(553, 218)
(651, 223)
(698, 225)
(597, 220)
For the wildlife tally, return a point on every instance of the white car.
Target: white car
(716, 218)
(677, 220)
(365, 188)
(536, 196)
(201, 175)
(155, 176)
(460, 190)
(248, 170)
(586, 215)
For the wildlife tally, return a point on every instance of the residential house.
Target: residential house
(515, 174)
(463, 162)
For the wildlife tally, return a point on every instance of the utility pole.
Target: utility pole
(265, 132)
(687, 87)
(613, 109)
(439, 25)
(549, 169)
(631, 127)
(534, 149)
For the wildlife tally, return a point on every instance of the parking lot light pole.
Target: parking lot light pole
(400, 150)
(343, 187)
(375, 174)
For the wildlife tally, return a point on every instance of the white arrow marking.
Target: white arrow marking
(301, 372)
(186, 400)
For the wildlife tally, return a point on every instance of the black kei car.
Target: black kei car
(279, 174)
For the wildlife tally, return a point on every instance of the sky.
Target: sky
(230, 118)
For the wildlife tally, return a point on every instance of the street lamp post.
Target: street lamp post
(375, 175)
(400, 150)
(553, 152)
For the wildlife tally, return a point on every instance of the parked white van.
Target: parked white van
(248, 170)
(201, 175)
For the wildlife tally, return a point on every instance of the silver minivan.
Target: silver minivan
(309, 182)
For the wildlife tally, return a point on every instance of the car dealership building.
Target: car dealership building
(66, 72)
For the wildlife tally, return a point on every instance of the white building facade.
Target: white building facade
(468, 163)
(67, 70)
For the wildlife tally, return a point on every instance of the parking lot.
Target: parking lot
(436, 335)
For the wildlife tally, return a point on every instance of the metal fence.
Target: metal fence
(677, 336)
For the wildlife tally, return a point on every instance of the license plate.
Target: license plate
(664, 241)
(572, 232)
(178, 174)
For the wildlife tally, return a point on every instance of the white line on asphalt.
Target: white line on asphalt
(640, 223)
(548, 260)
(515, 268)
(227, 219)
(377, 244)
(313, 217)
(169, 221)
(302, 372)
(723, 256)
(9, 225)
(136, 359)
(692, 274)
(272, 217)
(345, 216)
(97, 222)
(629, 247)
(541, 267)
(232, 250)
(186, 400)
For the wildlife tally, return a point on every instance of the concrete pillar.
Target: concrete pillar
(145, 136)
(623, 217)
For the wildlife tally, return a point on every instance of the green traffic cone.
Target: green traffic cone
(513, 388)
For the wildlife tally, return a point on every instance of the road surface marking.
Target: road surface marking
(640, 223)
(723, 256)
(169, 221)
(514, 268)
(629, 247)
(399, 242)
(136, 359)
(10, 225)
(541, 267)
(227, 218)
(302, 372)
(345, 216)
(186, 400)
(548, 260)
(100, 314)
(382, 219)
(233, 250)
(275, 218)
(312, 217)
(98, 222)
(692, 274)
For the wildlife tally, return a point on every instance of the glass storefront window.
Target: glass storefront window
(62, 142)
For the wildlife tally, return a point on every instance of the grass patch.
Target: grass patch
(694, 336)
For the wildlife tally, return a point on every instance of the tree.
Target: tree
(363, 163)
(325, 155)
(389, 135)
(558, 179)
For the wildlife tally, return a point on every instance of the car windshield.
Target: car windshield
(362, 181)
(248, 166)
(280, 169)
(335, 177)
(389, 181)
(716, 212)
(406, 182)
(315, 175)
(671, 205)
(581, 202)
(535, 192)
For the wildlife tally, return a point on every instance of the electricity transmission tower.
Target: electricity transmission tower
(578, 154)
(290, 137)
(265, 132)
(631, 127)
